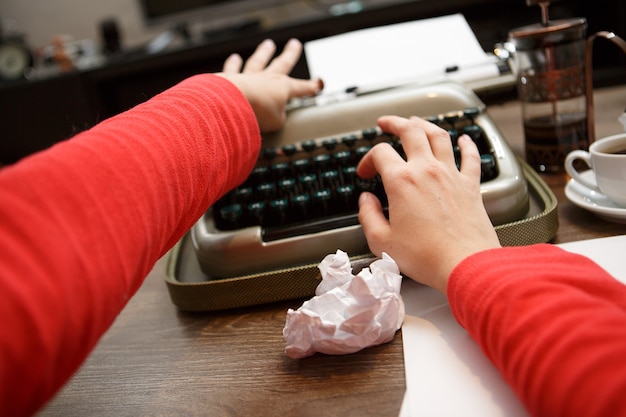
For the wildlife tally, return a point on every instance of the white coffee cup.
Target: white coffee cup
(607, 159)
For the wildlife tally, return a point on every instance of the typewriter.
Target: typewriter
(299, 204)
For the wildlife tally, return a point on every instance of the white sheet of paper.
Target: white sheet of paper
(446, 372)
(397, 54)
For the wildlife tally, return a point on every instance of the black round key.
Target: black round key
(256, 211)
(330, 144)
(330, 178)
(231, 213)
(349, 140)
(269, 153)
(471, 113)
(286, 185)
(276, 212)
(488, 169)
(342, 157)
(322, 200)
(280, 169)
(451, 118)
(266, 189)
(474, 132)
(309, 145)
(259, 173)
(308, 181)
(346, 195)
(302, 165)
(289, 149)
(349, 174)
(322, 160)
(243, 194)
(370, 133)
(301, 205)
(361, 151)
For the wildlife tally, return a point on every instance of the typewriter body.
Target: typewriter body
(256, 228)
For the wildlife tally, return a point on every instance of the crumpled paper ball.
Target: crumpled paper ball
(348, 313)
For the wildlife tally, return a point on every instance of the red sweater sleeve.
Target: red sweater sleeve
(82, 224)
(553, 322)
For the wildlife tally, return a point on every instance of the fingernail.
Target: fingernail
(320, 85)
(268, 43)
(363, 198)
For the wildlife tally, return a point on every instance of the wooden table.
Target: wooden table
(158, 361)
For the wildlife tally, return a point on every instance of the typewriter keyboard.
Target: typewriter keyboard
(311, 186)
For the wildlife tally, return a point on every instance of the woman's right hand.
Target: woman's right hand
(436, 214)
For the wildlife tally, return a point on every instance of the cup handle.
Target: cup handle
(569, 167)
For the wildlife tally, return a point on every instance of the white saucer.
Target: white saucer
(593, 200)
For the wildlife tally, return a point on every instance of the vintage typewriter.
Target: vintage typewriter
(299, 203)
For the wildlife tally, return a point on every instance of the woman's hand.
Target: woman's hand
(266, 83)
(436, 213)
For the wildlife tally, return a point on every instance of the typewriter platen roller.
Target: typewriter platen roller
(238, 251)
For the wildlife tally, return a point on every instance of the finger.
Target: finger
(411, 133)
(260, 57)
(373, 222)
(233, 64)
(470, 157)
(438, 138)
(304, 88)
(288, 58)
(380, 158)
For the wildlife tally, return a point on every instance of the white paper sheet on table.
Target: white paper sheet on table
(402, 53)
(446, 372)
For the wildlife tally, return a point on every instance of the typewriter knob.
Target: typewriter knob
(287, 185)
(289, 149)
(330, 144)
(322, 200)
(243, 194)
(370, 133)
(269, 153)
(301, 165)
(349, 140)
(231, 214)
(474, 132)
(322, 160)
(488, 167)
(451, 118)
(256, 210)
(302, 205)
(342, 157)
(280, 169)
(309, 145)
(361, 151)
(278, 211)
(347, 196)
(266, 189)
(471, 113)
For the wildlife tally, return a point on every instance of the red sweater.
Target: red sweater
(82, 224)
(554, 323)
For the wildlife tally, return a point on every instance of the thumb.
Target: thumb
(373, 222)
